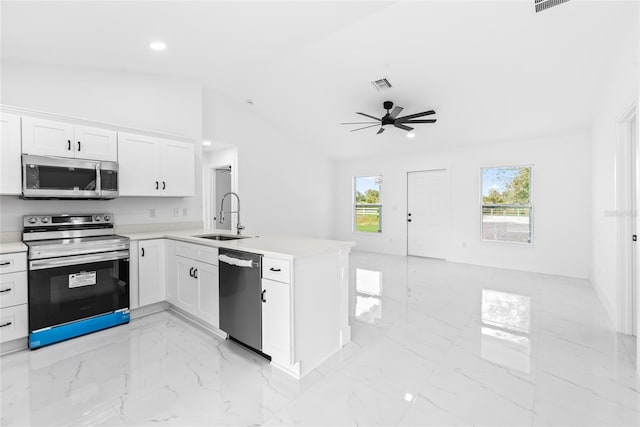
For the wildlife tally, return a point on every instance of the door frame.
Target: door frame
(447, 170)
(627, 214)
(208, 189)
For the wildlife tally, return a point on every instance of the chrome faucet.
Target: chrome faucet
(239, 226)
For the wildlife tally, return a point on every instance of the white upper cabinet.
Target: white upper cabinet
(150, 166)
(95, 143)
(138, 165)
(52, 138)
(10, 171)
(177, 168)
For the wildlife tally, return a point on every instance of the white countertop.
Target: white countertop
(9, 247)
(270, 245)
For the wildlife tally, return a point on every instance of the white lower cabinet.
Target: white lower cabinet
(14, 313)
(276, 321)
(195, 282)
(151, 271)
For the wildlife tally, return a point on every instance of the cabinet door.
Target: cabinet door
(177, 167)
(10, 161)
(47, 137)
(208, 297)
(95, 143)
(276, 322)
(138, 159)
(151, 271)
(187, 284)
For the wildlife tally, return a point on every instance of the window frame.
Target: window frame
(354, 205)
(530, 205)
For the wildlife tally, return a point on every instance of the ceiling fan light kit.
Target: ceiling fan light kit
(391, 118)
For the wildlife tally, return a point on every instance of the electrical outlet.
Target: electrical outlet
(152, 213)
(184, 211)
(176, 211)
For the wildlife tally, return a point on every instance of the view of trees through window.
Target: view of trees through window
(506, 204)
(368, 207)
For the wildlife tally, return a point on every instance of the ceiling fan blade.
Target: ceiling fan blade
(366, 127)
(413, 116)
(394, 113)
(420, 121)
(367, 115)
(401, 126)
(359, 123)
(380, 131)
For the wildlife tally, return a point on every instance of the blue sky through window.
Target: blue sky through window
(364, 183)
(497, 178)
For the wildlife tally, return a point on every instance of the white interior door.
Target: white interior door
(428, 213)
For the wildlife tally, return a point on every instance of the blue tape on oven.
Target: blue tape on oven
(75, 329)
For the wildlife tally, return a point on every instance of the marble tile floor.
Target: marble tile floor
(434, 343)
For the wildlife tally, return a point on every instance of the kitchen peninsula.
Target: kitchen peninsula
(304, 283)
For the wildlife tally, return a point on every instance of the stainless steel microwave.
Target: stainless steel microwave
(45, 177)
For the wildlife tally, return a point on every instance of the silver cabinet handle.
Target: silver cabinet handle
(5, 290)
(6, 324)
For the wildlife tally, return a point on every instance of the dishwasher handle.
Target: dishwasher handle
(246, 263)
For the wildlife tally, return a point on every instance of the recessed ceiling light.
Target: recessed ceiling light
(158, 45)
(206, 143)
(411, 135)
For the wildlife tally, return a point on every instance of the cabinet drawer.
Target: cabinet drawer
(10, 263)
(275, 269)
(198, 252)
(14, 322)
(13, 289)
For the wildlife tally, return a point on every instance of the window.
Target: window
(506, 204)
(367, 204)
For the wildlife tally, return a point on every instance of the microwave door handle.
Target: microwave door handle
(98, 179)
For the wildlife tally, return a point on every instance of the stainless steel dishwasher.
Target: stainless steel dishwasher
(241, 296)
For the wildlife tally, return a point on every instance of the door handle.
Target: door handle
(409, 220)
(195, 273)
(164, 185)
(191, 272)
(157, 185)
(69, 144)
(78, 145)
(142, 251)
(262, 295)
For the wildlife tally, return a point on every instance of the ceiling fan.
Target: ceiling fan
(391, 118)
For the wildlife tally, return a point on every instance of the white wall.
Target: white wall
(147, 102)
(560, 198)
(285, 187)
(619, 91)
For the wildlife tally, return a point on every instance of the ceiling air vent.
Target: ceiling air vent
(546, 4)
(381, 84)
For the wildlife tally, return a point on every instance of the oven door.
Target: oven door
(67, 289)
(57, 177)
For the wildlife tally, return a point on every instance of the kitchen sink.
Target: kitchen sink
(221, 237)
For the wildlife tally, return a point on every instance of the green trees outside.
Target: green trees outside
(370, 196)
(516, 189)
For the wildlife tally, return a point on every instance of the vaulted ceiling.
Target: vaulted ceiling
(493, 70)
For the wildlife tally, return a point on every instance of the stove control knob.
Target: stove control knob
(44, 219)
(107, 218)
(33, 220)
(97, 218)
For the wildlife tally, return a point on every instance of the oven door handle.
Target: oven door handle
(41, 264)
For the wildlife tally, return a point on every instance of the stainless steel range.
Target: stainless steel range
(78, 276)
